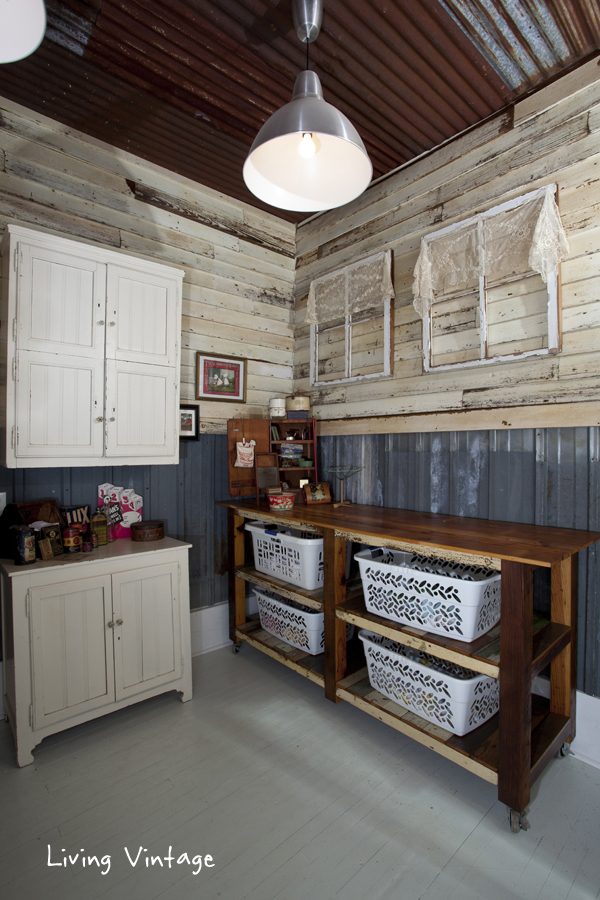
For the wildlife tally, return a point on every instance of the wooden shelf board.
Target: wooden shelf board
(356, 689)
(481, 655)
(314, 599)
(476, 751)
(546, 740)
(311, 667)
(547, 643)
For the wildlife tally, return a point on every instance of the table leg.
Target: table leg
(563, 668)
(516, 636)
(237, 587)
(334, 555)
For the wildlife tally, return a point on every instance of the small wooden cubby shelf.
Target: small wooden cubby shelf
(512, 748)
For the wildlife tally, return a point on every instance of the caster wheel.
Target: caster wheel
(236, 647)
(564, 751)
(518, 821)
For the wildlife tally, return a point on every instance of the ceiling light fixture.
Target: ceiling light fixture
(308, 156)
(22, 28)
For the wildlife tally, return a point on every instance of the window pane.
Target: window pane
(517, 314)
(455, 332)
(367, 345)
(331, 355)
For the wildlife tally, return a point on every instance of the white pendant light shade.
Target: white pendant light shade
(308, 156)
(22, 28)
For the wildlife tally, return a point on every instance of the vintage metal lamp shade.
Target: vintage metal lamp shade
(308, 156)
(22, 28)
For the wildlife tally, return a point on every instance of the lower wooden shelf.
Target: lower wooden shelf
(476, 751)
(312, 667)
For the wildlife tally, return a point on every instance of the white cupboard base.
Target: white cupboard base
(89, 635)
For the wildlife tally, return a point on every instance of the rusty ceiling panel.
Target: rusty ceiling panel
(526, 41)
(188, 83)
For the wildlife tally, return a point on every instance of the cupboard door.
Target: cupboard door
(148, 638)
(72, 649)
(61, 302)
(58, 404)
(142, 316)
(141, 410)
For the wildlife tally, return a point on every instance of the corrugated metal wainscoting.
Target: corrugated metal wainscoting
(545, 476)
(183, 496)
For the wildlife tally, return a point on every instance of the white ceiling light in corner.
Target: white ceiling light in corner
(308, 156)
(22, 28)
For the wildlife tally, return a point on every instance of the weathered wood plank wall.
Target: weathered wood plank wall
(495, 162)
(238, 261)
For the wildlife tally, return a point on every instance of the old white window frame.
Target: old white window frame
(349, 321)
(554, 334)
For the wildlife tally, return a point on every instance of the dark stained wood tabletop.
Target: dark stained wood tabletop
(538, 545)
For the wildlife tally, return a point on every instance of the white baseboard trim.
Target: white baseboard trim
(210, 626)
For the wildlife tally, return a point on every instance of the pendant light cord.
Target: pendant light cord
(307, 62)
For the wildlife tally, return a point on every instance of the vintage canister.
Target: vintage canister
(150, 530)
(71, 540)
(24, 545)
(87, 546)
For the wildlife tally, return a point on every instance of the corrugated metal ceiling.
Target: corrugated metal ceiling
(187, 84)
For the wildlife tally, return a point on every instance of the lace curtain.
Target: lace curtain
(356, 288)
(529, 236)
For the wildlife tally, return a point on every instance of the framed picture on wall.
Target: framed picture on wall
(189, 422)
(220, 378)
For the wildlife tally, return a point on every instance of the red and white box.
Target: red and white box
(129, 503)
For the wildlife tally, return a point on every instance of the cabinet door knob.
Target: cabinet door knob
(112, 419)
(99, 418)
(110, 625)
(112, 323)
(119, 622)
(101, 322)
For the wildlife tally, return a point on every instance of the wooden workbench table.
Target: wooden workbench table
(512, 748)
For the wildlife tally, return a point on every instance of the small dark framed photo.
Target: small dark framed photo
(189, 422)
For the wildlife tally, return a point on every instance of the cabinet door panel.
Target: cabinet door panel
(58, 404)
(148, 643)
(140, 409)
(61, 302)
(144, 310)
(72, 649)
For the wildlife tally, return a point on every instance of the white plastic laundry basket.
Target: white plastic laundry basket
(295, 624)
(454, 698)
(291, 555)
(441, 597)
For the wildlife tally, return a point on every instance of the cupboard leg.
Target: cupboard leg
(334, 554)
(516, 637)
(563, 668)
(237, 587)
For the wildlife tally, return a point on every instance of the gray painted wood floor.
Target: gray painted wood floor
(294, 797)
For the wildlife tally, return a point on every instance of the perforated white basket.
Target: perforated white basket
(291, 555)
(294, 623)
(452, 697)
(441, 597)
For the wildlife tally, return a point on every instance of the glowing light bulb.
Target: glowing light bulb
(307, 146)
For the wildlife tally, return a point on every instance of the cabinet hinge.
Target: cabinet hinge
(12, 437)
(14, 329)
(27, 604)
(179, 570)
(14, 369)
(31, 715)
(16, 260)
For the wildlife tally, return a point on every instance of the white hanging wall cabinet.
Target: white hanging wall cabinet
(90, 346)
